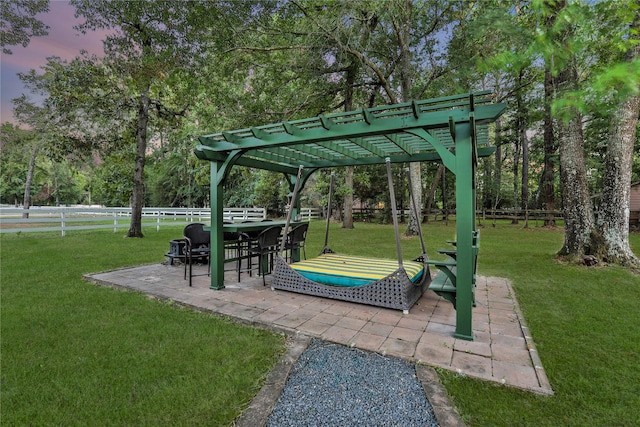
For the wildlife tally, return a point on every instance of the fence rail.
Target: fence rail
(63, 219)
(511, 214)
(521, 214)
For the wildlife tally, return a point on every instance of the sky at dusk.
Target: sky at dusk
(62, 41)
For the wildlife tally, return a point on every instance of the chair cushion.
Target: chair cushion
(350, 271)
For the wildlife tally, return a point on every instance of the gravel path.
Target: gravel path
(332, 385)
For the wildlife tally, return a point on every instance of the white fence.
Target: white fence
(63, 219)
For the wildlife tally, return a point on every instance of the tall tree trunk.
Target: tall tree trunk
(497, 174)
(415, 215)
(403, 33)
(432, 191)
(488, 183)
(516, 162)
(347, 220)
(548, 171)
(576, 203)
(137, 199)
(56, 188)
(352, 71)
(611, 235)
(524, 145)
(26, 201)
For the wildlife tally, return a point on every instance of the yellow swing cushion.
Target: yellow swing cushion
(350, 271)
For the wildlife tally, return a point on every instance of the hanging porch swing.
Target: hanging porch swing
(380, 282)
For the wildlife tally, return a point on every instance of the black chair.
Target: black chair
(235, 245)
(250, 241)
(296, 240)
(197, 247)
(267, 244)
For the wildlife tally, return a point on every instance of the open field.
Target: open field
(73, 352)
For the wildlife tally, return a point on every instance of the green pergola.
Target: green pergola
(452, 130)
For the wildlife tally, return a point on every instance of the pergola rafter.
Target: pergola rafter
(374, 132)
(453, 130)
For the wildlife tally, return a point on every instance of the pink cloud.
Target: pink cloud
(62, 41)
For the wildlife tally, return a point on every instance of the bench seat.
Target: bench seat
(372, 281)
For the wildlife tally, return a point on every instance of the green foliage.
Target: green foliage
(239, 190)
(54, 181)
(174, 177)
(58, 183)
(271, 192)
(19, 23)
(113, 179)
(274, 61)
(13, 162)
(596, 36)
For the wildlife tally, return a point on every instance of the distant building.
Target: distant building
(634, 205)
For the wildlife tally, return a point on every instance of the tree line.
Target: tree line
(120, 127)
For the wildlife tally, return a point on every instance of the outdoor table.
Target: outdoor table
(243, 227)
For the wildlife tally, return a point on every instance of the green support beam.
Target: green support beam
(217, 236)
(465, 217)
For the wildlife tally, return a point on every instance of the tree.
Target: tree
(397, 51)
(550, 147)
(151, 48)
(14, 172)
(19, 24)
(35, 117)
(486, 53)
(580, 45)
(611, 234)
(112, 179)
(576, 201)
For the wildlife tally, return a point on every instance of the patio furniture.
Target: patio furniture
(296, 241)
(235, 247)
(374, 281)
(176, 250)
(453, 130)
(266, 246)
(197, 247)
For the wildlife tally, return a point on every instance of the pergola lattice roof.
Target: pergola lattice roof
(408, 132)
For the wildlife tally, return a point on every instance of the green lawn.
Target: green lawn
(585, 324)
(78, 354)
(73, 352)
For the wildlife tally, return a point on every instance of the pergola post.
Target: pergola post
(295, 204)
(465, 216)
(217, 236)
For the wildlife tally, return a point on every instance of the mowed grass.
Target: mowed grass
(585, 324)
(78, 354)
(74, 353)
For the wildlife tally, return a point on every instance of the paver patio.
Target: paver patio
(502, 351)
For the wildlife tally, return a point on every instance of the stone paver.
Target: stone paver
(502, 351)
